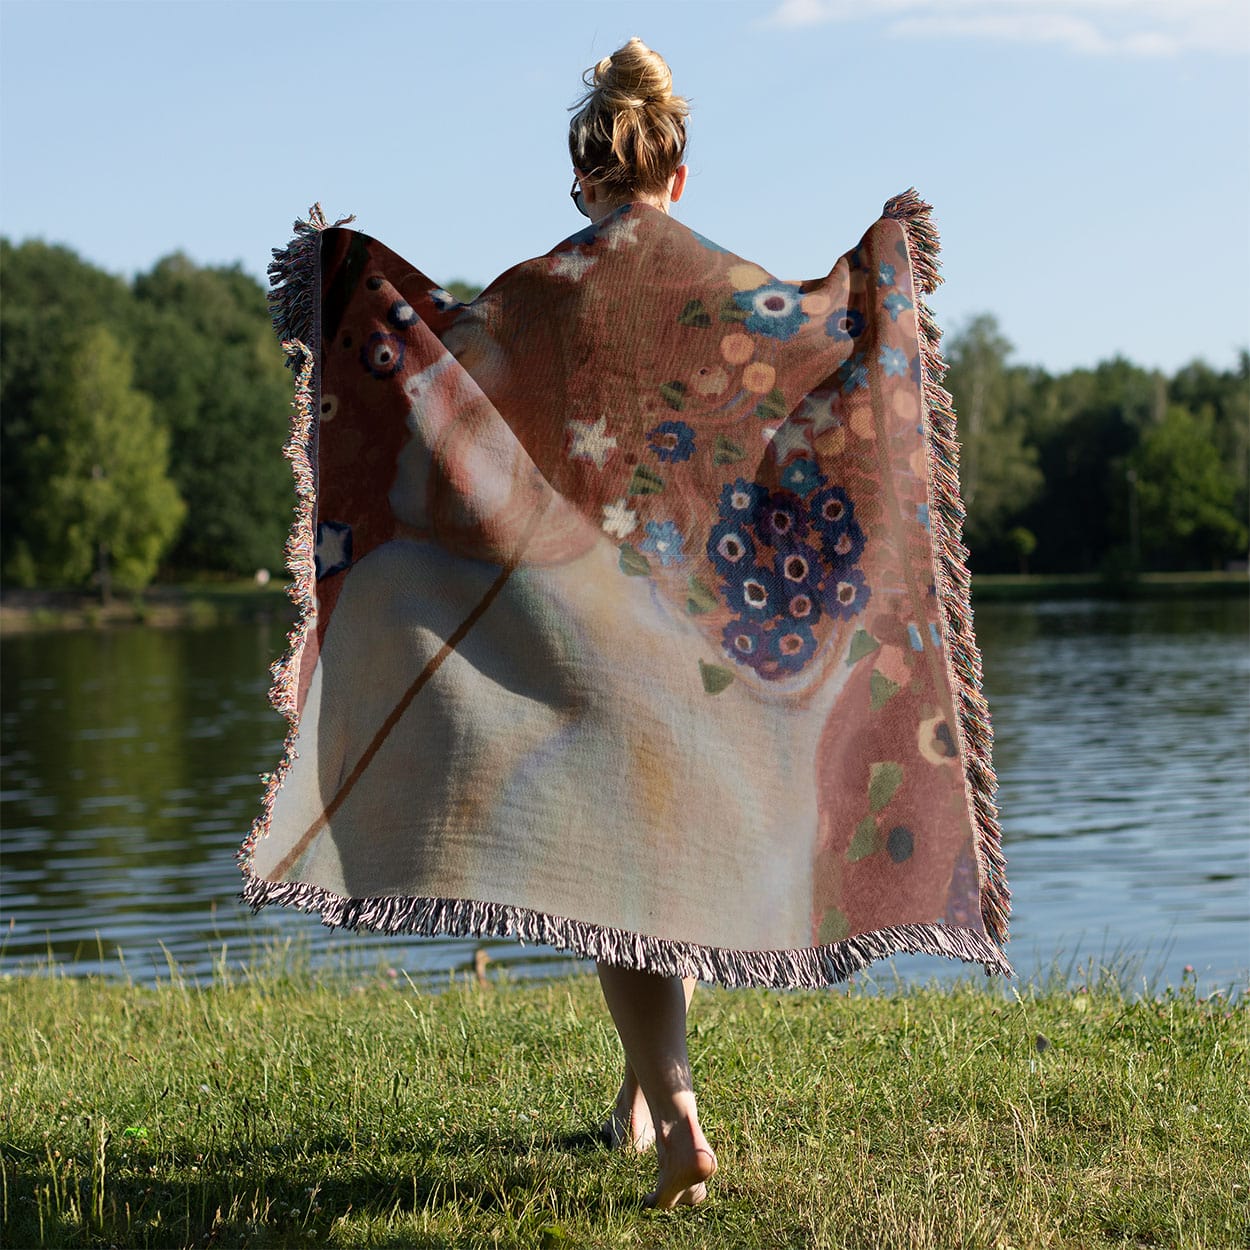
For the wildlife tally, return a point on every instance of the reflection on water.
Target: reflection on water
(131, 764)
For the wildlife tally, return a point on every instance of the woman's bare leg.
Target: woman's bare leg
(629, 1125)
(650, 1016)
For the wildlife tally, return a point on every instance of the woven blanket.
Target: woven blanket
(635, 617)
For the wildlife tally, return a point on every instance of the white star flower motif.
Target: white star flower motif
(622, 232)
(829, 418)
(789, 438)
(334, 547)
(572, 265)
(591, 441)
(820, 411)
(620, 521)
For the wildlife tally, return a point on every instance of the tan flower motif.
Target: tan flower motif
(709, 380)
(759, 377)
(737, 348)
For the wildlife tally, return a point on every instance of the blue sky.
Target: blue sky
(1088, 160)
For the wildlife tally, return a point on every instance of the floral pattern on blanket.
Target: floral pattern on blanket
(662, 496)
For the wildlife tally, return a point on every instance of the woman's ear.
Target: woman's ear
(678, 184)
(588, 187)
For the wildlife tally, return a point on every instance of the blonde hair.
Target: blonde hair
(629, 133)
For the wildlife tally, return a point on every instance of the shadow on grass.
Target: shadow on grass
(267, 1197)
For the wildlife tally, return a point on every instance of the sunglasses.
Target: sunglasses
(576, 196)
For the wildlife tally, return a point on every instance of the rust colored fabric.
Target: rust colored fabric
(636, 616)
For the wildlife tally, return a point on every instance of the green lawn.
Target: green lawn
(287, 1109)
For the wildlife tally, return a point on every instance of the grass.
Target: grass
(287, 1108)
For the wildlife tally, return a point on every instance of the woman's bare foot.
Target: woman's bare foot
(629, 1126)
(686, 1165)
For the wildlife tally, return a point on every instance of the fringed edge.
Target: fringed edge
(810, 967)
(953, 581)
(294, 301)
(295, 280)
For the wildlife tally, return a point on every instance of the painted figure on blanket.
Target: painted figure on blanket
(636, 618)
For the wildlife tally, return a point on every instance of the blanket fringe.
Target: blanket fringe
(294, 302)
(953, 581)
(294, 280)
(806, 968)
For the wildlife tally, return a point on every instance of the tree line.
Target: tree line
(141, 424)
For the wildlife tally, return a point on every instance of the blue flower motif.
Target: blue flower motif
(885, 274)
(922, 514)
(894, 362)
(754, 592)
(790, 646)
(846, 594)
(916, 377)
(853, 374)
(665, 540)
(844, 549)
(746, 641)
(831, 511)
(740, 500)
(382, 354)
(845, 324)
(799, 575)
(895, 303)
(802, 476)
(730, 547)
(781, 521)
(334, 548)
(774, 310)
(672, 441)
(800, 568)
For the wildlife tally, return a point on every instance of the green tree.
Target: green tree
(1085, 424)
(51, 297)
(105, 505)
(208, 357)
(1223, 398)
(465, 292)
(1185, 495)
(997, 467)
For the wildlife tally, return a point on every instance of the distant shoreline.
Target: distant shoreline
(196, 604)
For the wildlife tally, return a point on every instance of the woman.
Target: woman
(639, 624)
(628, 141)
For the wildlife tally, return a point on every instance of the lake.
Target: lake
(130, 776)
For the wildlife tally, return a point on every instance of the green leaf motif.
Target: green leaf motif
(715, 677)
(861, 645)
(881, 690)
(772, 407)
(726, 451)
(674, 395)
(885, 778)
(694, 314)
(833, 927)
(633, 561)
(867, 841)
(645, 481)
(701, 598)
(731, 310)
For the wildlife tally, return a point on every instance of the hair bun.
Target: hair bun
(630, 129)
(633, 77)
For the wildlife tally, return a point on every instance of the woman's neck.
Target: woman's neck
(601, 209)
